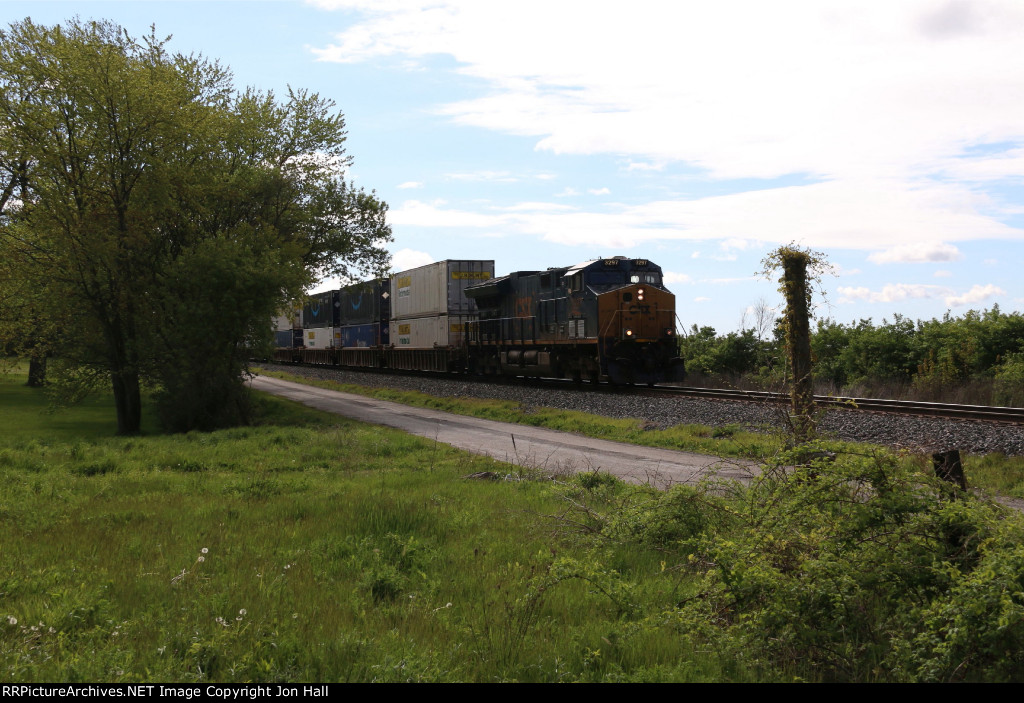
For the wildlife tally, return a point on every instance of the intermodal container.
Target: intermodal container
(363, 303)
(429, 332)
(374, 334)
(322, 310)
(437, 289)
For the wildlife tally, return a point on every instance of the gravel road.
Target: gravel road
(914, 433)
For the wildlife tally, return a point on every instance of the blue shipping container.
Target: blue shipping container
(364, 335)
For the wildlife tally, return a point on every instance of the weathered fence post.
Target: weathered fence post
(949, 468)
(798, 341)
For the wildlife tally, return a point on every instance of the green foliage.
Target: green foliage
(853, 569)
(154, 219)
(972, 358)
(1010, 381)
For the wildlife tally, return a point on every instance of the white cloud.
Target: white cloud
(567, 192)
(892, 293)
(410, 184)
(919, 252)
(976, 294)
(599, 191)
(671, 277)
(415, 212)
(405, 259)
(876, 101)
(734, 243)
(862, 215)
(779, 90)
(644, 166)
(897, 292)
(495, 176)
(535, 207)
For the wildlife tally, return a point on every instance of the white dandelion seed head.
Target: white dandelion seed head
(11, 620)
(204, 550)
(242, 611)
(202, 558)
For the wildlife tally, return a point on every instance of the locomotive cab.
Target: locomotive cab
(638, 336)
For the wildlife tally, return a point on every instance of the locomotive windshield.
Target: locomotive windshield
(653, 278)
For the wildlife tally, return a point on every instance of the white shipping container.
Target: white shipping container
(289, 320)
(322, 337)
(438, 288)
(429, 332)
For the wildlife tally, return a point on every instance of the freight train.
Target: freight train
(602, 320)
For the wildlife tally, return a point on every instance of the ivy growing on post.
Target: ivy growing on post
(798, 266)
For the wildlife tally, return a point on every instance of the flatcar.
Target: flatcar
(604, 320)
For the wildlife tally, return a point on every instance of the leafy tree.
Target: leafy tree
(164, 215)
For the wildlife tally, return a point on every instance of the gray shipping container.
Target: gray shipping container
(429, 332)
(437, 289)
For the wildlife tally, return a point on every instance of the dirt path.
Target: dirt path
(520, 446)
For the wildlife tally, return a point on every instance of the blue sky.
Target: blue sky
(700, 135)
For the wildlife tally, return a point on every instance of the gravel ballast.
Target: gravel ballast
(900, 431)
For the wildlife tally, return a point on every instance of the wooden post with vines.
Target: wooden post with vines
(795, 264)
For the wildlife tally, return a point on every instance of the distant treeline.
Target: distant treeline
(978, 357)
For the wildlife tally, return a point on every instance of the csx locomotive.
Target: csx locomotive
(603, 320)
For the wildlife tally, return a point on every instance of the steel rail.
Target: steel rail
(904, 407)
(998, 414)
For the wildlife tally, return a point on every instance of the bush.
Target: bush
(862, 570)
(1009, 388)
(851, 567)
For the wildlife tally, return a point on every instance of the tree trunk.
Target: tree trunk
(128, 400)
(36, 372)
(798, 340)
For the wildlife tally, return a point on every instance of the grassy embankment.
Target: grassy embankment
(309, 547)
(993, 473)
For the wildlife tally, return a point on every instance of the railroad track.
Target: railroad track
(902, 407)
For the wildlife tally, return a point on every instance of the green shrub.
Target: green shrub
(1009, 384)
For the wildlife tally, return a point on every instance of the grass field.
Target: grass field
(305, 548)
(312, 548)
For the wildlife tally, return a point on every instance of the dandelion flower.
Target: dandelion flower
(242, 611)
(201, 559)
(204, 550)
(11, 620)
